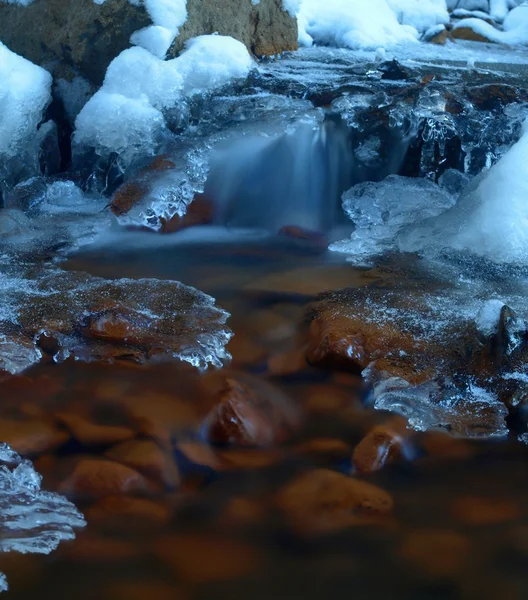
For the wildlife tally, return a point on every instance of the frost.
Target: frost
(31, 520)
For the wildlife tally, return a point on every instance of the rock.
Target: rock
(440, 38)
(463, 32)
(71, 38)
(31, 437)
(439, 554)
(381, 446)
(92, 479)
(250, 415)
(243, 512)
(264, 27)
(394, 71)
(323, 449)
(93, 434)
(113, 510)
(82, 38)
(149, 459)
(322, 500)
(477, 511)
(133, 589)
(91, 549)
(132, 191)
(494, 96)
(199, 212)
(204, 559)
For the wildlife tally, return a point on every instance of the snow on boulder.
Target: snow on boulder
(515, 28)
(168, 16)
(126, 115)
(420, 14)
(362, 24)
(24, 95)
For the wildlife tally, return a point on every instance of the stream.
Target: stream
(283, 354)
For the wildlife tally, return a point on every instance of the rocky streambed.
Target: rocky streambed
(237, 410)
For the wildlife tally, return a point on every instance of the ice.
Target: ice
(3, 583)
(24, 95)
(488, 317)
(168, 16)
(490, 219)
(291, 6)
(96, 319)
(31, 520)
(74, 95)
(380, 210)
(155, 38)
(127, 115)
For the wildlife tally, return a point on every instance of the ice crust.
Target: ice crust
(31, 519)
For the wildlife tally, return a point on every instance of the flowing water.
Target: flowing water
(115, 372)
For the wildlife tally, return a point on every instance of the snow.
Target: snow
(515, 27)
(24, 95)
(359, 24)
(488, 317)
(168, 16)
(420, 14)
(127, 114)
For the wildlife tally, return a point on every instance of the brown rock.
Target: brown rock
(92, 479)
(381, 446)
(322, 500)
(492, 96)
(31, 437)
(463, 32)
(131, 192)
(90, 549)
(93, 434)
(249, 458)
(203, 559)
(142, 589)
(149, 459)
(113, 509)
(440, 38)
(199, 212)
(265, 28)
(328, 449)
(201, 454)
(249, 416)
(243, 511)
(439, 554)
(474, 510)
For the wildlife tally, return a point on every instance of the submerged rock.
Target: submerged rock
(425, 358)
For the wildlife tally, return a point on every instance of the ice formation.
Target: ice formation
(127, 115)
(24, 95)
(31, 520)
(380, 210)
(490, 218)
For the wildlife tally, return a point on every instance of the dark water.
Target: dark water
(458, 529)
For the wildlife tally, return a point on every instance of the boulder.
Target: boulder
(265, 28)
(81, 37)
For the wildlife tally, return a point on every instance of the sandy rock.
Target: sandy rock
(322, 500)
(31, 437)
(437, 553)
(149, 459)
(204, 559)
(93, 434)
(92, 479)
